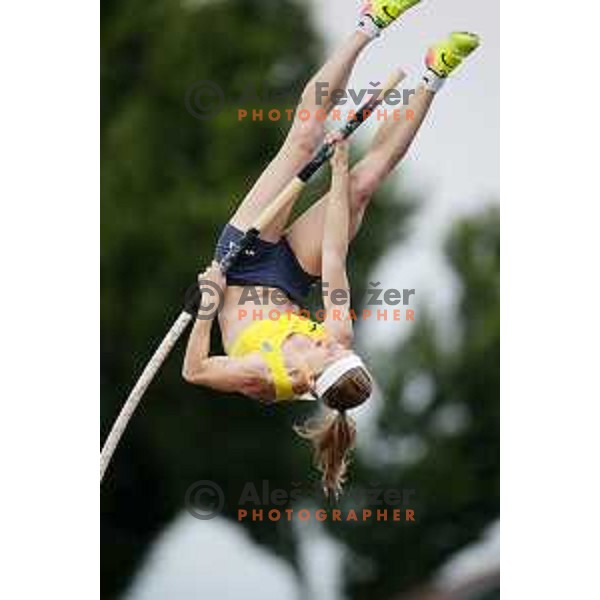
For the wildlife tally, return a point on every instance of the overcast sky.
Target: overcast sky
(454, 163)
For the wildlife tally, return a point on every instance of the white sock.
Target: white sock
(368, 27)
(433, 82)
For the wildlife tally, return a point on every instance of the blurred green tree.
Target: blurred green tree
(169, 183)
(439, 428)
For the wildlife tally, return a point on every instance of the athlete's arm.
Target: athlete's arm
(221, 373)
(335, 250)
(225, 374)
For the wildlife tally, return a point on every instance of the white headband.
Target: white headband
(334, 371)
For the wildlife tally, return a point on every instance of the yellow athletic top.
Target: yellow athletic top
(267, 337)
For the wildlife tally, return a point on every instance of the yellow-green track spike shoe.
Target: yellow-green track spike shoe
(443, 57)
(384, 12)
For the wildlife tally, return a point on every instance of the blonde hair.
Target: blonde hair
(333, 436)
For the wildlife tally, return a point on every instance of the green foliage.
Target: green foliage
(169, 183)
(445, 445)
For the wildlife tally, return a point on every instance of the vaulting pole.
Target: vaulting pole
(287, 196)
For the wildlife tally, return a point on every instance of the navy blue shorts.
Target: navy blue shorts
(271, 264)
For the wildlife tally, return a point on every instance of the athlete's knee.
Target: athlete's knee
(363, 185)
(304, 138)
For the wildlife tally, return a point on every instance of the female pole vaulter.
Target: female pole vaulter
(293, 357)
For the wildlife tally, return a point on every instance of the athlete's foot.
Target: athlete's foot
(444, 57)
(376, 15)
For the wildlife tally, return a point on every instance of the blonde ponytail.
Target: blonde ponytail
(333, 438)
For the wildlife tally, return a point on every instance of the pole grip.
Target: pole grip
(392, 82)
(286, 197)
(364, 112)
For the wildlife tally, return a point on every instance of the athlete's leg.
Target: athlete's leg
(388, 148)
(394, 139)
(303, 139)
(306, 135)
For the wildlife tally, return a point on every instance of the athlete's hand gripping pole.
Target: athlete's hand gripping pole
(288, 195)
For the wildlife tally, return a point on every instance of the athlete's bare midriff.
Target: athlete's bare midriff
(244, 306)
